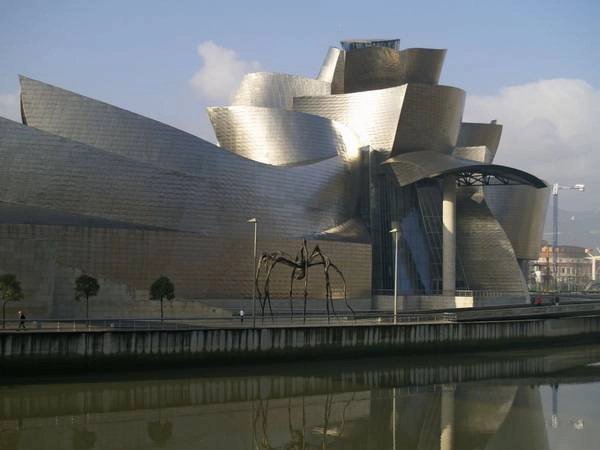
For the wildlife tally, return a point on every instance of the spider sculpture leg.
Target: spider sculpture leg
(305, 286)
(268, 286)
(292, 291)
(317, 258)
(261, 263)
(344, 282)
(328, 289)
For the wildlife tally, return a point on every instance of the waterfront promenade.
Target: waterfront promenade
(343, 337)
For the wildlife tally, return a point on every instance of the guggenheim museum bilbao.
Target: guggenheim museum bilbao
(373, 143)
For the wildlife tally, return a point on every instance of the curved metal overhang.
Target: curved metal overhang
(414, 166)
(276, 90)
(280, 137)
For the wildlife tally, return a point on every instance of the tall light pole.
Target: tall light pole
(255, 222)
(555, 188)
(394, 231)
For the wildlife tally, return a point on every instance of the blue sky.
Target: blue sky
(141, 55)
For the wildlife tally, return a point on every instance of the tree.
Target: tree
(160, 432)
(161, 289)
(86, 286)
(83, 439)
(10, 289)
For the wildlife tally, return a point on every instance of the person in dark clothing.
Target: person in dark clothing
(21, 319)
(556, 300)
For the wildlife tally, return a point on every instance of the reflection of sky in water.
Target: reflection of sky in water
(577, 403)
(475, 402)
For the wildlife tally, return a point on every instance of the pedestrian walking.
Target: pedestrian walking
(21, 319)
(556, 300)
(241, 316)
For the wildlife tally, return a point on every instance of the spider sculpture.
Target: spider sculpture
(299, 266)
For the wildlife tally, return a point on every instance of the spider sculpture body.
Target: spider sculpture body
(299, 265)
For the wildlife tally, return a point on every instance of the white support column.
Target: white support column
(449, 235)
(447, 418)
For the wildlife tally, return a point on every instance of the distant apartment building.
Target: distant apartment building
(574, 268)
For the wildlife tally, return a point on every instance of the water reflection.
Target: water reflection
(525, 400)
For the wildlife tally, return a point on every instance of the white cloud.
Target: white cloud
(550, 129)
(221, 72)
(9, 106)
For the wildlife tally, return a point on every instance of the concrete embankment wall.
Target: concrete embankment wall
(62, 350)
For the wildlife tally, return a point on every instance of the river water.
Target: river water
(537, 399)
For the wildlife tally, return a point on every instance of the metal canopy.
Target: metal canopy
(414, 166)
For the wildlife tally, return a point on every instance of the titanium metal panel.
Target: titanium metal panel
(476, 153)
(201, 266)
(109, 128)
(46, 171)
(430, 119)
(415, 166)
(277, 90)
(353, 230)
(373, 115)
(380, 67)
(14, 213)
(484, 249)
(521, 210)
(478, 134)
(280, 137)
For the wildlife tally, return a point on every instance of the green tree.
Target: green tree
(10, 290)
(161, 289)
(86, 286)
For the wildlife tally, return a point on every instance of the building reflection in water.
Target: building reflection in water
(467, 404)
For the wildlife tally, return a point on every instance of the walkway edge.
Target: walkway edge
(56, 351)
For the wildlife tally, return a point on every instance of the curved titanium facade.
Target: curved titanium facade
(430, 119)
(412, 167)
(98, 207)
(280, 137)
(521, 210)
(479, 153)
(373, 115)
(276, 90)
(113, 129)
(216, 201)
(478, 134)
(486, 254)
(380, 67)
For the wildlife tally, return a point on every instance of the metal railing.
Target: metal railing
(458, 293)
(186, 323)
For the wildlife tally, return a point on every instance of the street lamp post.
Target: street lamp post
(394, 231)
(255, 222)
(555, 188)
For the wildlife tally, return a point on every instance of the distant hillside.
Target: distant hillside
(575, 228)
